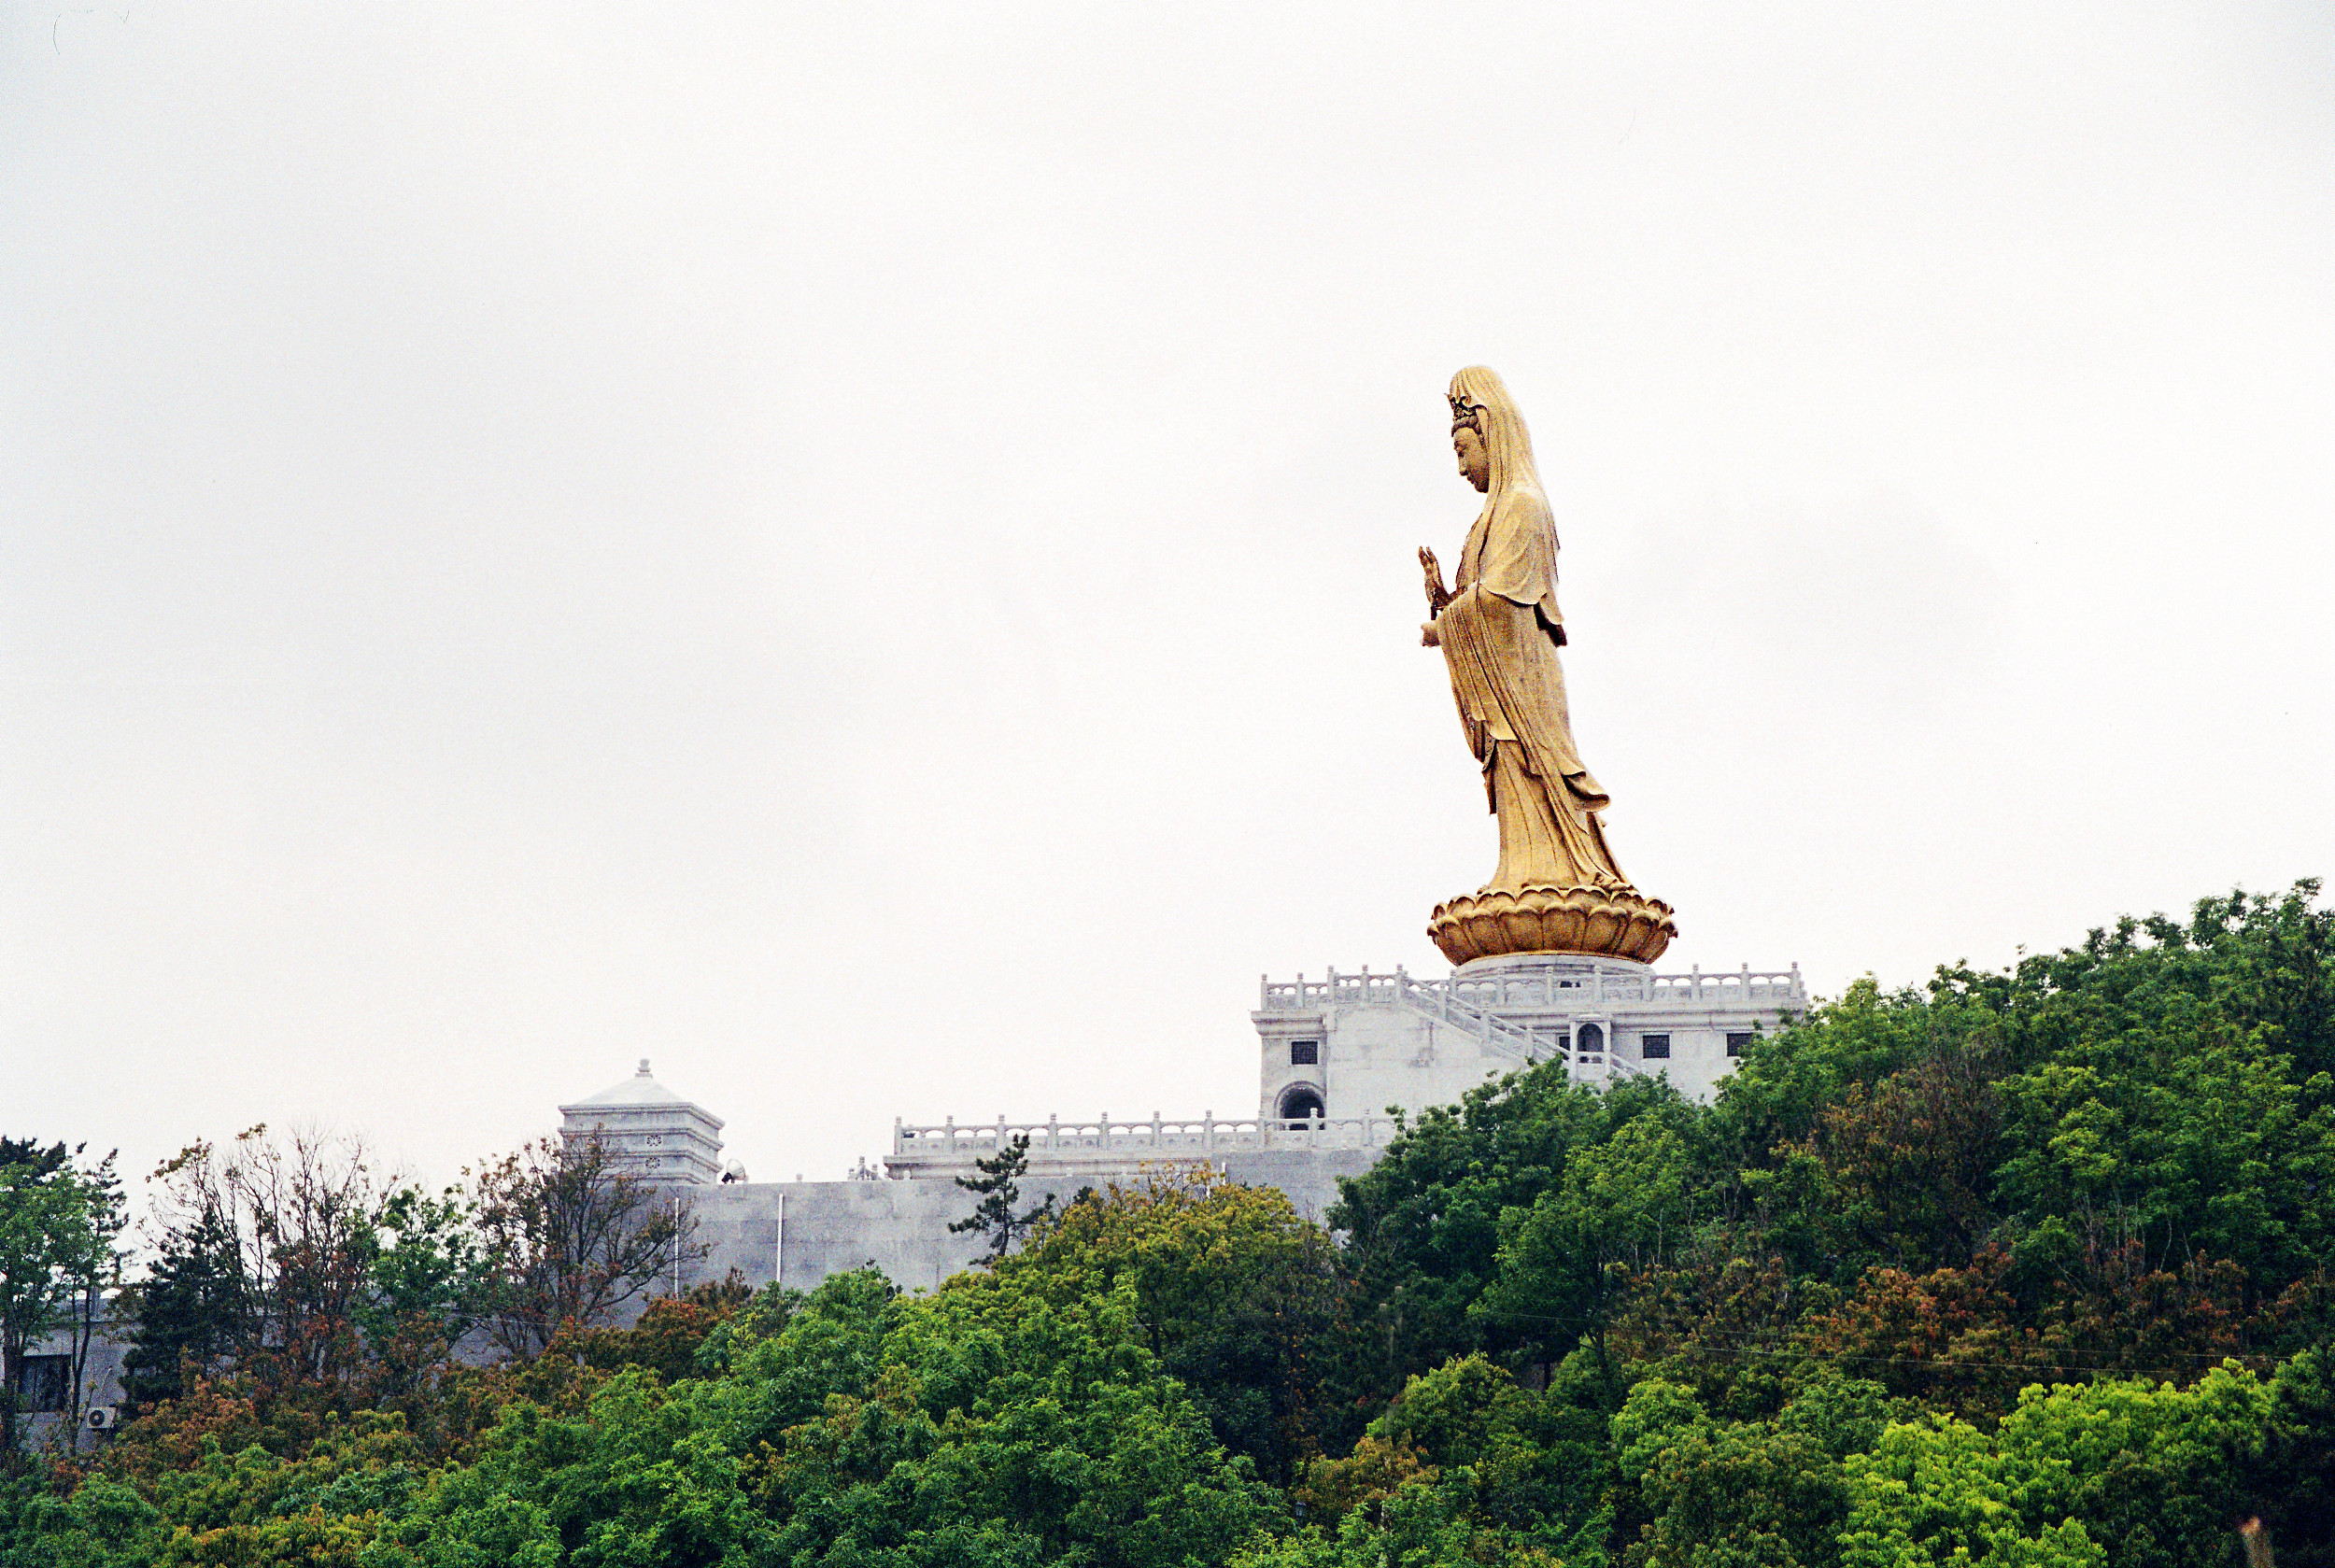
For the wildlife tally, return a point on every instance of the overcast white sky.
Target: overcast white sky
(865, 554)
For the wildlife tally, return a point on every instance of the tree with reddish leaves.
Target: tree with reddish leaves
(572, 1235)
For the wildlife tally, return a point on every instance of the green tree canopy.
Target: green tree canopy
(59, 1219)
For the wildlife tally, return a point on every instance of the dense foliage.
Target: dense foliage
(2028, 1267)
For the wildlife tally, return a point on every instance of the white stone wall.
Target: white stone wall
(1378, 1041)
(833, 1227)
(901, 1227)
(1371, 1058)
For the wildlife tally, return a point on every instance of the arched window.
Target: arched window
(1592, 1039)
(1300, 1104)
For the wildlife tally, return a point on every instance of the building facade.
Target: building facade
(1347, 1047)
(1338, 1058)
(67, 1383)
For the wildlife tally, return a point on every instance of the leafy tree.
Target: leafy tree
(1465, 1467)
(568, 1233)
(39, 1161)
(1939, 1494)
(2294, 1492)
(269, 1246)
(999, 1187)
(1236, 1296)
(2127, 1474)
(1425, 1224)
(1774, 1103)
(1908, 1162)
(100, 1524)
(670, 1333)
(1624, 1204)
(1706, 1492)
(1951, 1336)
(2263, 962)
(428, 1284)
(979, 1425)
(58, 1223)
(2182, 1138)
(1720, 1323)
(294, 1284)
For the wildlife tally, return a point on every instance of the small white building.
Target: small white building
(651, 1129)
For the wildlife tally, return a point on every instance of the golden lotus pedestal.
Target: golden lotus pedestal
(1615, 923)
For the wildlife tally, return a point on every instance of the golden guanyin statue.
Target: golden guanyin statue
(1558, 888)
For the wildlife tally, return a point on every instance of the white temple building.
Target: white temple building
(1339, 1054)
(1337, 1057)
(1347, 1045)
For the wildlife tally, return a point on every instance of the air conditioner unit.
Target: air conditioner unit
(101, 1417)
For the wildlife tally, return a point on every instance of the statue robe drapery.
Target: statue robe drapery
(1499, 635)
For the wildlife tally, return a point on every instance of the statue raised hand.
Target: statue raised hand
(1438, 595)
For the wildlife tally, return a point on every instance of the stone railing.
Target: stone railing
(1302, 994)
(1593, 985)
(1449, 1007)
(1432, 997)
(1744, 987)
(1160, 1137)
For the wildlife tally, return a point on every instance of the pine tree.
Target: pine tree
(999, 1186)
(192, 1312)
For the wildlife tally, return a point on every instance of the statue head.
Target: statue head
(1496, 451)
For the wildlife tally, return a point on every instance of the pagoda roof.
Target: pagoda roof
(640, 1089)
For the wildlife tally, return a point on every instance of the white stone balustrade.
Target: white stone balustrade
(1104, 1139)
(1594, 985)
(1355, 1042)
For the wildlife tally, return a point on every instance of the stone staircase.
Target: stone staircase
(1445, 1002)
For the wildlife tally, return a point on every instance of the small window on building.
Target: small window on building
(1653, 1045)
(1593, 1039)
(43, 1382)
(1736, 1042)
(1305, 1053)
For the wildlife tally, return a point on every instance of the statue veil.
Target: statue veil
(1507, 443)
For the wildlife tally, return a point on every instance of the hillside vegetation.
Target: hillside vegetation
(2020, 1268)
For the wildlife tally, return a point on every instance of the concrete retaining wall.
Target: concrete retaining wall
(1308, 1175)
(833, 1227)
